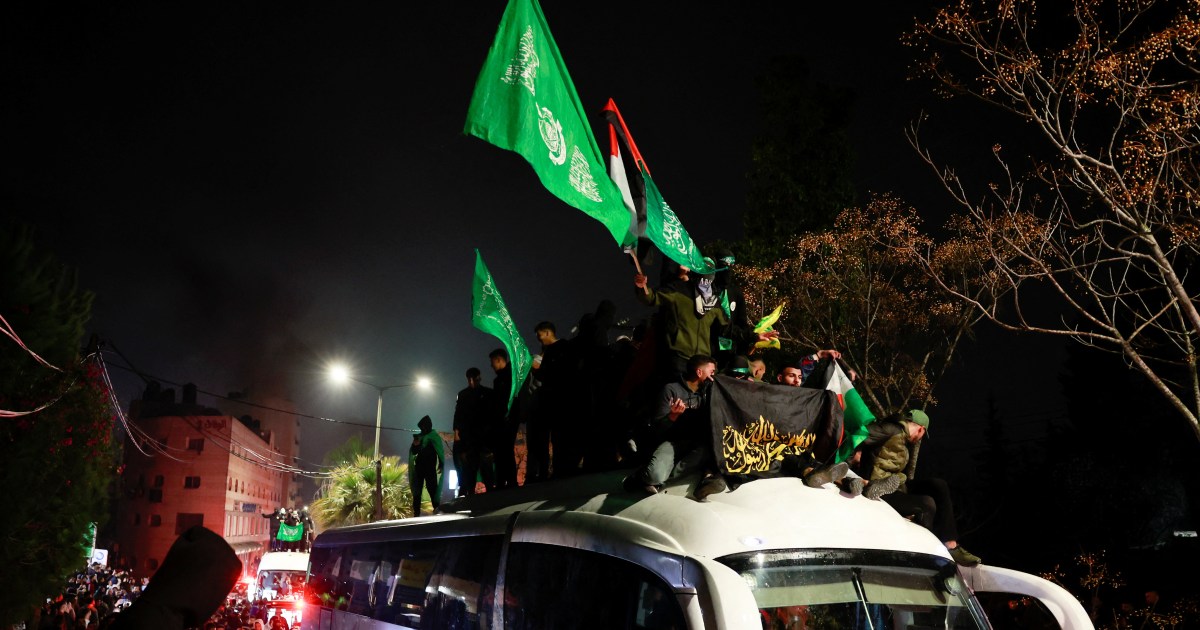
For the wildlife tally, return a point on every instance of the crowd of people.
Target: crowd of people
(91, 598)
(643, 402)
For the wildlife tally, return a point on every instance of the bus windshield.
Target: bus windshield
(807, 589)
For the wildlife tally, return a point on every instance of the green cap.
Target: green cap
(919, 417)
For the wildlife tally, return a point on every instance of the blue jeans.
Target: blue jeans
(672, 458)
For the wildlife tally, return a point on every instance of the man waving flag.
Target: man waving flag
(646, 206)
(524, 101)
(489, 314)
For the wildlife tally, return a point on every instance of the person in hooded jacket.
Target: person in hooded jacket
(688, 311)
(425, 461)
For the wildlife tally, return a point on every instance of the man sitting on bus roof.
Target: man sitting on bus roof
(681, 417)
(884, 456)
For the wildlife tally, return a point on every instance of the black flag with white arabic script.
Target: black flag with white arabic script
(756, 425)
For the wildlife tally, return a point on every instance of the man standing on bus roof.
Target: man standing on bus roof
(885, 454)
(425, 462)
(472, 410)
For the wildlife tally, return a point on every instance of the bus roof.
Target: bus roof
(283, 561)
(763, 515)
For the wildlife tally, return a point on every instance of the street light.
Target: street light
(341, 374)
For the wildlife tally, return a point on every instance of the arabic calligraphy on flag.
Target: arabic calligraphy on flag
(756, 425)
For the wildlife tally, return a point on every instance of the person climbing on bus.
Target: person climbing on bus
(883, 458)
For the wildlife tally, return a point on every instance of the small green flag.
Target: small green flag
(489, 314)
(290, 533)
(524, 101)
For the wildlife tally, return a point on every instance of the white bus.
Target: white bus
(280, 584)
(582, 553)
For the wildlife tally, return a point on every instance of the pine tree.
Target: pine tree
(58, 462)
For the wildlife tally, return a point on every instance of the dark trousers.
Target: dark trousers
(928, 502)
(537, 444)
(477, 462)
(506, 460)
(428, 481)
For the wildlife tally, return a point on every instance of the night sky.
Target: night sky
(253, 192)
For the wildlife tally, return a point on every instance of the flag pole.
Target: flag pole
(636, 265)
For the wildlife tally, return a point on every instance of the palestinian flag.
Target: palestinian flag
(654, 219)
(755, 425)
(855, 412)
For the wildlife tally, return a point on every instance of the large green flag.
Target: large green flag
(524, 101)
(489, 314)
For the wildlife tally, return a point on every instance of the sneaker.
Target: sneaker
(831, 474)
(710, 485)
(852, 486)
(631, 484)
(880, 487)
(964, 557)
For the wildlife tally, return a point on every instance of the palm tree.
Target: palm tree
(348, 496)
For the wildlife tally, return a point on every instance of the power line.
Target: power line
(239, 401)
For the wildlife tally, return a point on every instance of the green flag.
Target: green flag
(667, 233)
(290, 533)
(489, 314)
(524, 101)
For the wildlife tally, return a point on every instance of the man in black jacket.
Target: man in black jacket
(472, 411)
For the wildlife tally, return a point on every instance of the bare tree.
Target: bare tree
(1106, 223)
(858, 287)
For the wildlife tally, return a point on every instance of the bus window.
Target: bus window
(463, 586)
(797, 592)
(385, 581)
(558, 587)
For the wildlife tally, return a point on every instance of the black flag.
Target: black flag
(756, 425)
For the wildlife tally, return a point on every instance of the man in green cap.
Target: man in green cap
(883, 457)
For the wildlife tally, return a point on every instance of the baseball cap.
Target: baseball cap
(919, 417)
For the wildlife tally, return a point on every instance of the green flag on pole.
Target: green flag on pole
(524, 101)
(665, 230)
(489, 314)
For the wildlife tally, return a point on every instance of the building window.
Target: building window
(185, 521)
(155, 495)
(155, 520)
(158, 481)
(191, 482)
(195, 444)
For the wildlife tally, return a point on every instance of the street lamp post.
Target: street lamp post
(341, 374)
